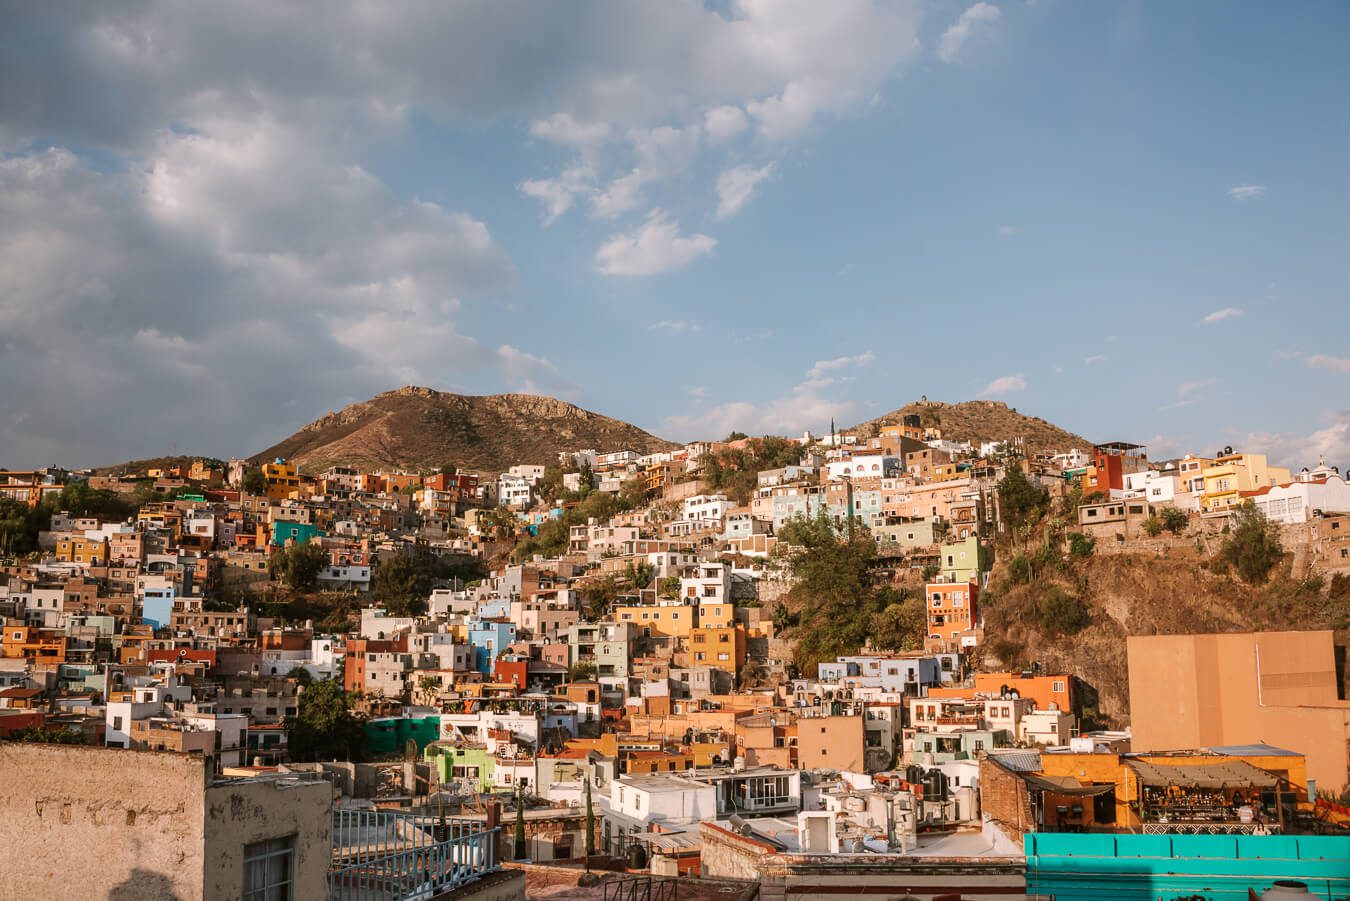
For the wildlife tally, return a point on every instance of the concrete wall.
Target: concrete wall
(83, 822)
(240, 813)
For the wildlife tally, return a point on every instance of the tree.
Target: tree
(78, 499)
(324, 728)
(586, 476)
(1061, 613)
(1021, 502)
(428, 687)
(48, 736)
(1253, 544)
(519, 849)
(301, 675)
(735, 436)
(20, 525)
(590, 822)
(298, 565)
(254, 482)
(551, 485)
(1174, 520)
(402, 585)
(639, 575)
(1153, 526)
(669, 587)
(902, 624)
(581, 671)
(1081, 544)
(600, 595)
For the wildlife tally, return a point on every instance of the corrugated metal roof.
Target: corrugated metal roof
(1228, 773)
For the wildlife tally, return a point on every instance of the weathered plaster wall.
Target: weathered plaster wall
(240, 813)
(79, 822)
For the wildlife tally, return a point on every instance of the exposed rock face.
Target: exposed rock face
(421, 428)
(984, 420)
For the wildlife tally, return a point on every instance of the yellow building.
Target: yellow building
(716, 615)
(201, 471)
(282, 479)
(659, 620)
(718, 647)
(1232, 474)
(86, 551)
(944, 472)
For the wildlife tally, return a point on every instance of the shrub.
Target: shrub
(1174, 520)
(1061, 613)
(1253, 544)
(1153, 527)
(1081, 545)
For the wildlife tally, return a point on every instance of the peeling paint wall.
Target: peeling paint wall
(240, 813)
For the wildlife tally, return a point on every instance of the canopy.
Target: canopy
(1220, 774)
(1063, 785)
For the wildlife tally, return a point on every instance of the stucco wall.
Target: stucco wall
(240, 813)
(80, 822)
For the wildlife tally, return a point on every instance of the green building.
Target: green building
(390, 734)
(455, 765)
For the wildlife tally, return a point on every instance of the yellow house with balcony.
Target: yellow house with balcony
(1232, 474)
(658, 620)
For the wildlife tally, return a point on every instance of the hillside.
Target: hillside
(983, 420)
(419, 428)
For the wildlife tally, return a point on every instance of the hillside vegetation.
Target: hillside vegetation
(982, 420)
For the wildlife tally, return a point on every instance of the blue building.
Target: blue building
(488, 639)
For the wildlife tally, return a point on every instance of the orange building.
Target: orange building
(45, 647)
(86, 551)
(1055, 691)
(721, 647)
(835, 742)
(1197, 691)
(951, 608)
(658, 620)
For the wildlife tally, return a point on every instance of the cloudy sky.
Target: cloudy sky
(220, 221)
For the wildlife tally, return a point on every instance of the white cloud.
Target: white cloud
(736, 186)
(561, 128)
(1247, 192)
(1004, 385)
(1189, 393)
(674, 326)
(1007, 231)
(654, 246)
(723, 123)
(623, 195)
(1331, 444)
(1221, 315)
(807, 406)
(1334, 364)
(970, 23)
(1095, 359)
(557, 194)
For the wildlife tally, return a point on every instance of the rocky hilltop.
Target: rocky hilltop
(421, 428)
(983, 420)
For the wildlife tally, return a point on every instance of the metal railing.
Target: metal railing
(641, 889)
(389, 855)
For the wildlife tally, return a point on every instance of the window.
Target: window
(1057, 686)
(268, 870)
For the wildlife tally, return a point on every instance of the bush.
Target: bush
(1253, 544)
(1081, 545)
(1153, 526)
(1020, 570)
(1061, 613)
(1174, 520)
(1021, 501)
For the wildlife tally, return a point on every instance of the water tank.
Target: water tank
(935, 786)
(637, 857)
(913, 774)
(1286, 888)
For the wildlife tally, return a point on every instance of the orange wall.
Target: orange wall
(835, 742)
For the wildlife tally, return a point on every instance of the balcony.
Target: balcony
(386, 855)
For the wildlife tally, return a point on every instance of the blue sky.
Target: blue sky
(1130, 220)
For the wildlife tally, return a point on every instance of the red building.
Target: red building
(1110, 464)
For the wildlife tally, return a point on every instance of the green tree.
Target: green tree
(586, 476)
(1253, 543)
(301, 675)
(669, 587)
(1174, 520)
(324, 728)
(735, 436)
(402, 585)
(551, 485)
(1153, 526)
(590, 822)
(48, 736)
(20, 525)
(639, 575)
(600, 594)
(1081, 544)
(78, 499)
(429, 688)
(902, 624)
(519, 843)
(254, 482)
(298, 565)
(1021, 502)
(581, 671)
(1061, 613)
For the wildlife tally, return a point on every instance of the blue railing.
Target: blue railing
(389, 855)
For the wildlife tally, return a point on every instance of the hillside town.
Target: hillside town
(798, 662)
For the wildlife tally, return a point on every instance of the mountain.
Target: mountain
(983, 420)
(419, 428)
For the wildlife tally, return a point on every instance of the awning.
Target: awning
(1063, 785)
(675, 842)
(1225, 774)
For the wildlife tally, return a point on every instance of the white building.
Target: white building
(1322, 490)
(707, 507)
(513, 490)
(663, 798)
(532, 474)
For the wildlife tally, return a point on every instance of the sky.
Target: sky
(219, 222)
